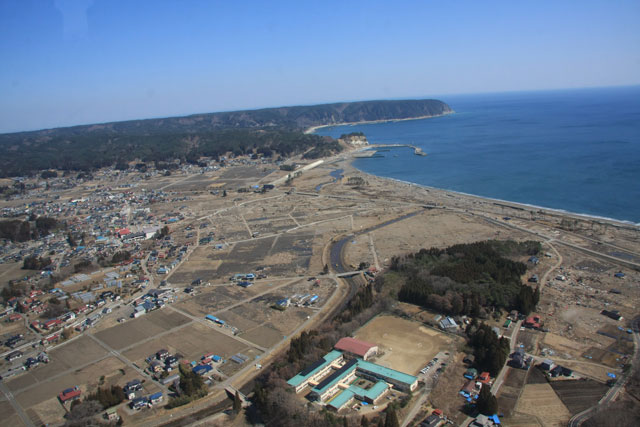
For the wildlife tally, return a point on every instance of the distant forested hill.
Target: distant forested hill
(270, 131)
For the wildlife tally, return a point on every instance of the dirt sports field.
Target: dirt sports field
(540, 400)
(405, 345)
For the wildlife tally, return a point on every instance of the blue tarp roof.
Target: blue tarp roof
(495, 419)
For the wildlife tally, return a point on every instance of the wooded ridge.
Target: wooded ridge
(268, 131)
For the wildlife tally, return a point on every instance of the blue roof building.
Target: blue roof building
(334, 388)
(202, 369)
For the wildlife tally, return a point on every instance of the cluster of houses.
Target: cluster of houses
(554, 370)
(139, 402)
(13, 340)
(166, 268)
(30, 363)
(28, 304)
(152, 300)
(305, 300)
(205, 364)
(71, 315)
(474, 384)
(146, 401)
(161, 364)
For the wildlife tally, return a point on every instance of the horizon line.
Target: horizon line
(434, 97)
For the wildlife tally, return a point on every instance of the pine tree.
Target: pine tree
(487, 402)
(237, 403)
(392, 419)
(364, 422)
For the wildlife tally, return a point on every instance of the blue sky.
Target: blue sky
(67, 62)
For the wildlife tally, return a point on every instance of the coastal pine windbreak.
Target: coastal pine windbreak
(464, 279)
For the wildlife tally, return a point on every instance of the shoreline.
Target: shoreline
(312, 129)
(507, 203)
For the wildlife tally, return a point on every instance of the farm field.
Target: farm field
(578, 395)
(68, 357)
(8, 414)
(249, 311)
(132, 331)
(540, 400)
(405, 345)
(510, 391)
(192, 342)
(42, 398)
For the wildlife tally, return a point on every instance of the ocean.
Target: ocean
(573, 150)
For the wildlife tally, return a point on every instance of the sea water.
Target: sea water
(574, 150)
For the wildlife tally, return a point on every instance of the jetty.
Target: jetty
(367, 155)
(416, 150)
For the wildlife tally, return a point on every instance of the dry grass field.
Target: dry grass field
(407, 346)
(85, 378)
(562, 346)
(133, 331)
(540, 400)
(8, 414)
(589, 369)
(192, 342)
(63, 359)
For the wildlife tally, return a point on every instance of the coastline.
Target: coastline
(312, 129)
(619, 223)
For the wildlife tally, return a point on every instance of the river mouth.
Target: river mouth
(335, 174)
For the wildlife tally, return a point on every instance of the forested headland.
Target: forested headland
(270, 131)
